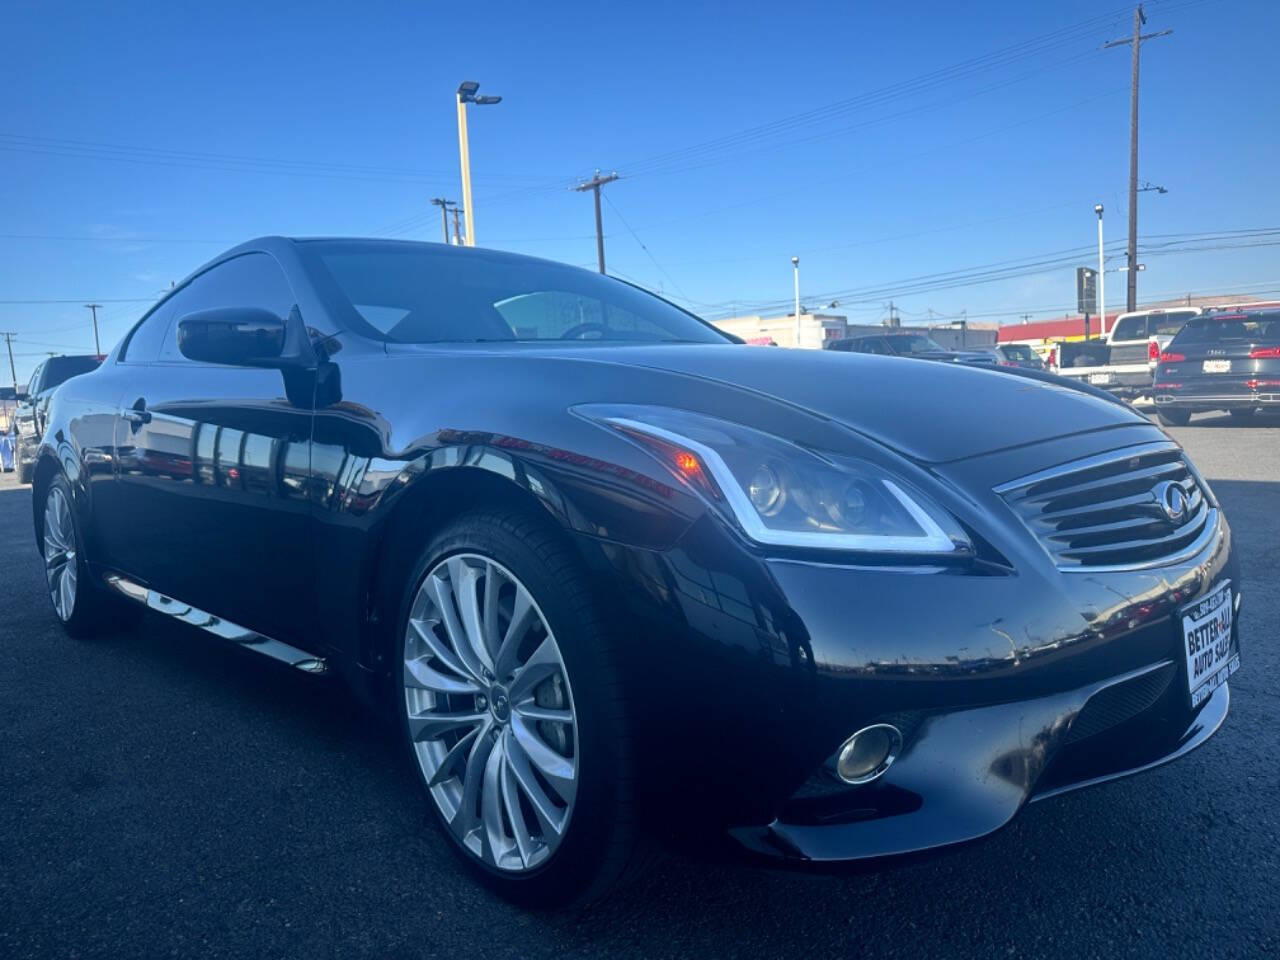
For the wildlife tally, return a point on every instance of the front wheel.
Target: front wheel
(513, 712)
(1243, 415)
(1174, 418)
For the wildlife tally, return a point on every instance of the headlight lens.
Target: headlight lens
(785, 495)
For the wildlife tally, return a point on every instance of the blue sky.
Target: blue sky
(878, 142)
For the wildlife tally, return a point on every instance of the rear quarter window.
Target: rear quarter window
(1130, 328)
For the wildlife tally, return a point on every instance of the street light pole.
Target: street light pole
(467, 94)
(1102, 277)
(795, 269)
(464, 156)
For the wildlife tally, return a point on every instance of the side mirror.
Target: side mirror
(236, 336)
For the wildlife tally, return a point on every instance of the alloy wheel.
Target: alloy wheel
(490, 712)
(60, 553)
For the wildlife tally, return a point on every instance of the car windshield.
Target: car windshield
(430, 293)
(911, 343)
(1245, 328)
(1166, 324)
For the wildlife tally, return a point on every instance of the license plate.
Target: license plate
(1206, 640)
(1099, 378)
(1217, 366)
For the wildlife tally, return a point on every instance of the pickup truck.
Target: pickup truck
(1124, 362)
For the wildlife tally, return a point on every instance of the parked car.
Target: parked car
(1017, 355)
(1227, 360)
(603, 566)
(1124, 361)
(33, 407)
(902, 343)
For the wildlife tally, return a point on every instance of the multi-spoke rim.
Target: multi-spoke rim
(60, 553)
(490, 712)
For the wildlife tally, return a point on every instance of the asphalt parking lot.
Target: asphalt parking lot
(162, 795)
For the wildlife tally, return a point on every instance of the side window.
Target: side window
(1130, 328)
(34, 384)
(550, 314)
(144, 341)
(252, 280)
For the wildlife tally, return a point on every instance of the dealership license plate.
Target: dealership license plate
(1206, 640)
(1100, 378)
(1217, 366)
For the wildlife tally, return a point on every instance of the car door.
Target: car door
(213, 468)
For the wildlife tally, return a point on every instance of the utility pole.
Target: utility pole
(94, 307)
(8, 342)
(443, 204)
(1102, 274)
(594, 185)
(1026, 318)
(1139, 18)
(457, 230)
(795, 269)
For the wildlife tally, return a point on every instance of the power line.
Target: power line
(76, 300)
(636, 236)
(87, 149)
(1033, 48)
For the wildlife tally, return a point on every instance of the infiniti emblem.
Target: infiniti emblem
(1172, 500)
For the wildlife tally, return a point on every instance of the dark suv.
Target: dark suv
(33, 408)
(1221, 361)
(900, 343)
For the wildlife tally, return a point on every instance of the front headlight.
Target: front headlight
(782, 494)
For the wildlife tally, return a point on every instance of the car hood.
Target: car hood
(931, 412)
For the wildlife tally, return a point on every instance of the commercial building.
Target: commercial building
(814, 329)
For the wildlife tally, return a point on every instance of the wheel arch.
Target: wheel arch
(423, 508)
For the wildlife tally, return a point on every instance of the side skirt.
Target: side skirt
(275, 649)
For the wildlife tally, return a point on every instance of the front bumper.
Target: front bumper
(1009, 685)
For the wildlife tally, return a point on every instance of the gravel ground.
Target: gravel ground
(164, 795)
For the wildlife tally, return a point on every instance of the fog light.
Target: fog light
(868, 753)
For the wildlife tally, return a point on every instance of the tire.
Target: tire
(582, 859)
(1174, 418)
(21, 465)
(84, 607)
(1243, 415)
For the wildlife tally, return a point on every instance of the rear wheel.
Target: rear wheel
(84, 607)
(1243, 415)
(513, 711)
(1174, 418)
(21, 465)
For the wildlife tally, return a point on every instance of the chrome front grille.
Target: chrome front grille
(1117, 509)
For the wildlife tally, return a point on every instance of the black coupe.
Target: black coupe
(604, 567)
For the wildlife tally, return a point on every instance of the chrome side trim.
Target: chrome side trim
(275, 649)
